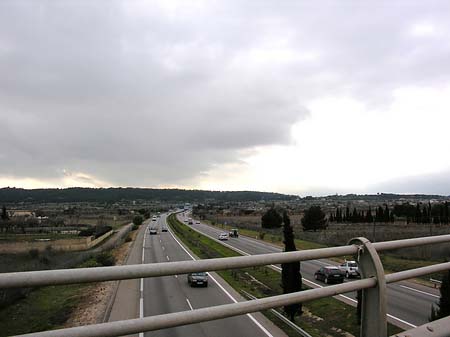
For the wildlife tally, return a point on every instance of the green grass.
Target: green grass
(43, 309)
(33, 237)
(391, 263)
(263, 282)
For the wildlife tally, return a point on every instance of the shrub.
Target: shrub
(106, 259)
(90, 263)
(34, 253)
(137, 220)
(128, 239)
(134, 227)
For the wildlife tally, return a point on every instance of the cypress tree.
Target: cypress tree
(291, 278)
(418, 216)
(386, 216)
(442, 308)
(4, 213)
(446, 212)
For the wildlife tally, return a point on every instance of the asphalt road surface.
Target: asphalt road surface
(172, 294)
(409, 304)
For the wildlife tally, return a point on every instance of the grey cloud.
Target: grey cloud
(437, 183)
(149, 97)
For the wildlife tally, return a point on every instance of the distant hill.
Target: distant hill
(9, 195)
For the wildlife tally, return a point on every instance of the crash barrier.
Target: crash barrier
(372, 283)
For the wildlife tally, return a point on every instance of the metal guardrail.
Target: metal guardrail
(373, 285)
(294, 326)
(436, 283)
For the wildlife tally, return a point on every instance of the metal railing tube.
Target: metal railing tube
(408, 274)
(373, 308)
(406, 243)
(85, 275)
(164, 321)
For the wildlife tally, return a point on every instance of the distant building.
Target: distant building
(21, 214)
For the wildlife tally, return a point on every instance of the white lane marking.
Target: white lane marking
(222, 288)
(167, 257)
(315, 284)
(164, 248)
(419, 291)
(189, 303)
(141, 299)
(176, 276)
(400, 320)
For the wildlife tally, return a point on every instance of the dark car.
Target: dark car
(199, 279)
(164, 229)
(329, 274)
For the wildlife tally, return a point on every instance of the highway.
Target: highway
(169, 294)
(409, 304)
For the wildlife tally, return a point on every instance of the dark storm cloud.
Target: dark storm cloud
(144, 93)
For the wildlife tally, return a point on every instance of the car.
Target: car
(153, 231)
(234, 233)
(223, 236)
(198, 279)
(329, 274)
(164, 229)
(350, 269)
(197, 222)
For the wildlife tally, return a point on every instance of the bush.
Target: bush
(100, 230)
(138, 220)
(87, 232)
(134, 227)
(34, 253)
(128, 239)
(106, 259)
(90, 263)
(262, 235)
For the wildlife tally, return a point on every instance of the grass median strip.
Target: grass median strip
(324, 317)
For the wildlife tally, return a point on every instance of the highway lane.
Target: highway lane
(172, 294)
(407, 305)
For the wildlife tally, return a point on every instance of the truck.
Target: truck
(234, 233)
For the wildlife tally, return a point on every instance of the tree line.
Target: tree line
(419, 213)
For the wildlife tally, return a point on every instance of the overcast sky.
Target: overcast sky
(302, 97)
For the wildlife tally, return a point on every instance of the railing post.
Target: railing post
(373, 308)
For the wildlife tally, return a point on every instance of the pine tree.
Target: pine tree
(271, 219)
(314, 219)
(291, 278)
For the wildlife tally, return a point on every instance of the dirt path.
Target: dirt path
(96, 297)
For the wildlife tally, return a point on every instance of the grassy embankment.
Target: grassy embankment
(263, 282)
(47, 308)
(391, 263)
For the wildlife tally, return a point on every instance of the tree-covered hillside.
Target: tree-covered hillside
(8, 195)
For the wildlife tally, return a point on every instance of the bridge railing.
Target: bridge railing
(372, 283)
